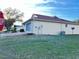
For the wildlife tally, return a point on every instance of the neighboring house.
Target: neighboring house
(40, 24)
(18, 27)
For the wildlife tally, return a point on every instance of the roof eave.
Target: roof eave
(27, 21)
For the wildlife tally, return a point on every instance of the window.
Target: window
(66, 25)
(73, 28)
(35, 26)
(39, 27)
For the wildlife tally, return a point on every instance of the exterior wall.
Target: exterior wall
(46, 28)
(68, 29)
(49, 28)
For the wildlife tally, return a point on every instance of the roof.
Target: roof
(54, 19)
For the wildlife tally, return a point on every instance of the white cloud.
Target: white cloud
(26, 6)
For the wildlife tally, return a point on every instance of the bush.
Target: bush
(62, 33)
(21, 30)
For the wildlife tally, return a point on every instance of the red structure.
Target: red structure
(1, 20)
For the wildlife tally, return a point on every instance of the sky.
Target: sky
(66, 9)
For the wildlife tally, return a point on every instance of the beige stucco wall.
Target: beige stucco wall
(46, 27)
(39, 27)
(53, 28)
(69, 30)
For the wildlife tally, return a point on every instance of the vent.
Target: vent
(35, 16)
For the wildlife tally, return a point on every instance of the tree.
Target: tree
(8, 23)
(12, 16)
(76, 21)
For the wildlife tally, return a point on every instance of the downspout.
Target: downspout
(61, 28)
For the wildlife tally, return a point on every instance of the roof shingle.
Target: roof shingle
(53, 19)
(49, 18)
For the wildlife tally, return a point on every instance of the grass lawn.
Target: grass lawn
(39, 47)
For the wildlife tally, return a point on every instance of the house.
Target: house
(18, 27)
(1, 21)
(41, 24)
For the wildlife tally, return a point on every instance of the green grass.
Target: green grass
(39, 47)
